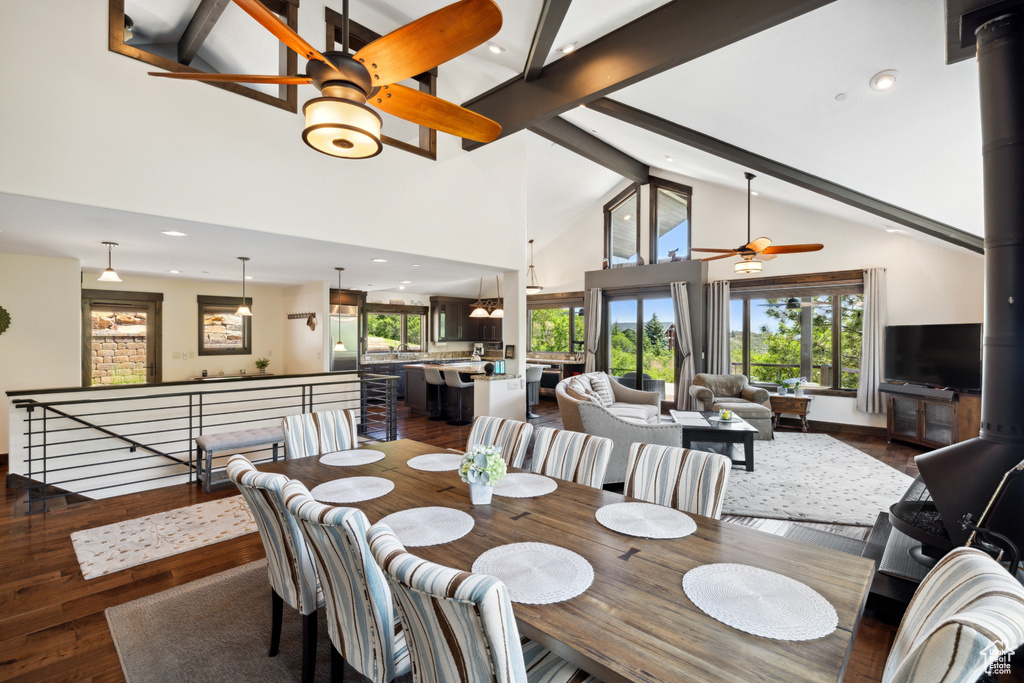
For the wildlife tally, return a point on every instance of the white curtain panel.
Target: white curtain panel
(719, 360)
(592, 328)
(684, 342)
(872, 345)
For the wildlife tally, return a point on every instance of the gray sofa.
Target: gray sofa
(642, 406)
(601, 421)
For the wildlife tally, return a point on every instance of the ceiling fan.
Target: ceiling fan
(341, 123)
(755, 251)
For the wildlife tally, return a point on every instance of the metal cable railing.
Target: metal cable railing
(99, 447)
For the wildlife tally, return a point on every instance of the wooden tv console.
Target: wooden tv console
(931, 417)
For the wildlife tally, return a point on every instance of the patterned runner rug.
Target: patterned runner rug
(813, 478)
(114, 547)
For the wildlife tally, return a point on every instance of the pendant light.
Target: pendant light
(478, 306)
(498, 312)
(532, 285)
(340, 346)
(749, 264)
(109, 275)
(243, 309)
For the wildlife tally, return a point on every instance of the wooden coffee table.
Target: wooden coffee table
(791, 405)
(737, 431)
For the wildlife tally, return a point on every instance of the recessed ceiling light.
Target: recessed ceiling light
(495, 48)
(401, 286)
(840, 97)
(175, 272)
(406, 282)
(669, 159)
(174, 233)
(566, 49)
(380, 260)
(884, 80)
(248, 277)
(889, 228)
(753, 192)
(415, 265)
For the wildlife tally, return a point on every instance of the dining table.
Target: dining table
(634, 622)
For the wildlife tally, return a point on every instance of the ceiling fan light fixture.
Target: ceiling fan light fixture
(342, 128)
(751, 266)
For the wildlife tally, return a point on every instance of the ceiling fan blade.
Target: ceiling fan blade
(715, 258)
(715, 251)
(431, 40)
(765, 257)
(433, 112)
(232, 78)
(793, 248)
(283, 32)
(758, 245)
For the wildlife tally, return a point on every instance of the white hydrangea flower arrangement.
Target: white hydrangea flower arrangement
(482, 465)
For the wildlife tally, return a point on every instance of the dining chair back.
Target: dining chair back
(572, 456)
(360, 612)
(688, 480)
(327, 431)
(966, 613)
(292, 577)
(460, 625)
(511, 437)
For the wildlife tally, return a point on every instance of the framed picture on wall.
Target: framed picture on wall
(510, 352)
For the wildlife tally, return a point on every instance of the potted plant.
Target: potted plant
(482, 467)
(261, 365)
(796, 383)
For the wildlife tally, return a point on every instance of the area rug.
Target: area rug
(813, 478)
(215, 629)
(118, 546)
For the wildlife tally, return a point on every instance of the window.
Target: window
(670, 221)
(622, 227)
(640, 344)
(221, 331)
(121, 336)
(555, 322)
(158, 38)
(393, 328)
(799, 326)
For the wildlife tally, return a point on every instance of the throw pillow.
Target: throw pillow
(601, 385)
(581, 392)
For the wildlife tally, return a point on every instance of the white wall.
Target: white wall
(40, 350)
(305, 349)
(927, 282)
(181, 324)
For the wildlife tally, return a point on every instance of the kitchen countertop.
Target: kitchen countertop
(555, 361)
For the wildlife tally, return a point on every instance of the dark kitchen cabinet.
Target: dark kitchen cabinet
(488, 329)
(449, 317)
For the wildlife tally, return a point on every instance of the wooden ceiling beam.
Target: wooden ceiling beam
(577, 140)
(551, 16)
(199, 28)
(775, 169)
(673, 34)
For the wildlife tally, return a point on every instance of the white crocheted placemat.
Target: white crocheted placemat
(352, 489)
(436, 462)
(537, 573)
(429, 525)
(351, 457)
(524, 485)
(760, 602)
(646, 520)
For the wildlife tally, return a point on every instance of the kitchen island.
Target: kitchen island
(497, 395)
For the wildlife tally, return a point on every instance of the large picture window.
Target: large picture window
(641, 354)
(556, 330)
(393, 331)
(670, 221)
(622, 227)
(800, 326)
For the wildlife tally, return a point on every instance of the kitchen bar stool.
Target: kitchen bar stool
(452, 379)
(434, 379)
(533, 375)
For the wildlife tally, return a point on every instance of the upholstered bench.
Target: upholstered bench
(756, 415)
(208, 444)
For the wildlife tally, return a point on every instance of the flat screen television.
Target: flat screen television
(934, 355)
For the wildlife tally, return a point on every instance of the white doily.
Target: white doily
(429, 525)
(352, 489)
(436, 462)
(354, 456)
(760, 602)
(524, 485)
(537, 573)
(646, 520)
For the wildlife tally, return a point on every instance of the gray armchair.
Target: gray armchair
(707, 390)
(623, 432)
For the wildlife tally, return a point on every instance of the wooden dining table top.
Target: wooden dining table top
(634, 623)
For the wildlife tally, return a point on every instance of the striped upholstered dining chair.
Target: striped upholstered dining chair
(460, 625)
(292, 577)
(966, 613)
(688, 480)
(363, 626)
(319, 433)
(511, 437)
(573, 456)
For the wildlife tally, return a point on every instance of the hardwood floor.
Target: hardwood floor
(52, 626)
